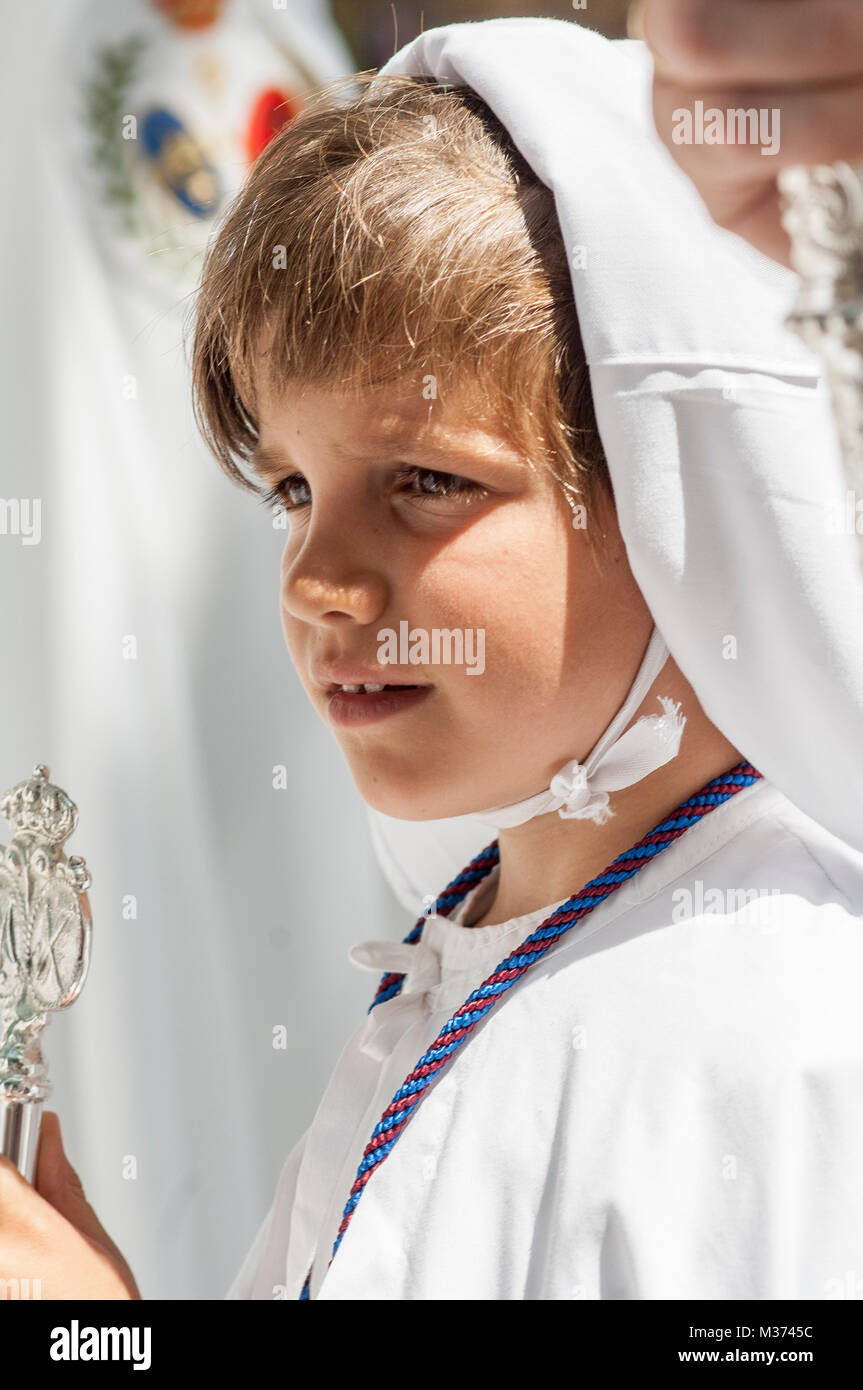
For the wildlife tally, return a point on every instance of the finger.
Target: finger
(51, 1162)
(58, 1182)
(782, 42)
(61, 1186)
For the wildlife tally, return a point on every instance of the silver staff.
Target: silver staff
(45, 932)
(823, 216)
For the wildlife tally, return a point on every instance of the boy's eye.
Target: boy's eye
(290, 493)
(424, 482)
(294, 492)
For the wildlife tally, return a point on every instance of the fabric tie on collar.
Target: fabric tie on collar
(418, 963)
(580, 790)
(420, 966)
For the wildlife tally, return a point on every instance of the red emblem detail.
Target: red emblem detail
(191, 14)
(272, 110)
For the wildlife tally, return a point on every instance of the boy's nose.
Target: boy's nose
(326, 593)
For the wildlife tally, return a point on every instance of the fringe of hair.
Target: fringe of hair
(393, 232)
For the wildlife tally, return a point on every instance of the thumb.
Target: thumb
(57, 1181)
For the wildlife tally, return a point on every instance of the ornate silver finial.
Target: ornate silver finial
(36, 807)
(45, 933)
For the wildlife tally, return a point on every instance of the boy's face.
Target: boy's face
(414, 512)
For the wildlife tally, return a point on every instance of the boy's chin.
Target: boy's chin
(414, 807)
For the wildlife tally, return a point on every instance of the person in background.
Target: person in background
(804, 57)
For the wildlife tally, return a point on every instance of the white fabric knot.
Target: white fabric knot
(418, 963)
(571, 787)
(420, 966)
(652, 741)
(580, 790)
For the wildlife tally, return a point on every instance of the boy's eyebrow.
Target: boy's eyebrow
(266, 463)
(269, 462)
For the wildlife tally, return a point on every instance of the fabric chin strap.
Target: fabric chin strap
(580, 790)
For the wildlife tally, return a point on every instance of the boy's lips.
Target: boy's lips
(367, 706)
(334, 676)
(355, 705)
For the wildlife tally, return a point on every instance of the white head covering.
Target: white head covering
(713, 416)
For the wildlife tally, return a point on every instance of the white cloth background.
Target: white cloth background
(247, 897)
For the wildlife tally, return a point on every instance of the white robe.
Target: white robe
(669, 1105)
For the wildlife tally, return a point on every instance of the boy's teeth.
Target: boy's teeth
(356, 689)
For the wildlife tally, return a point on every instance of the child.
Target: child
(622, 1056)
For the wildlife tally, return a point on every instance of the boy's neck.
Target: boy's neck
(550, 858)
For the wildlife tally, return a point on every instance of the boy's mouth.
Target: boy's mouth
(369, 689)
(354, 696)
(349, 705)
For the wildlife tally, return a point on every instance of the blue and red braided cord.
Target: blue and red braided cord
(462, 1023)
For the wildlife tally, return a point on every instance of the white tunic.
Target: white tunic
(669, 1105)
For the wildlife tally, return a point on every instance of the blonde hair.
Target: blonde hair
(397, 234)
